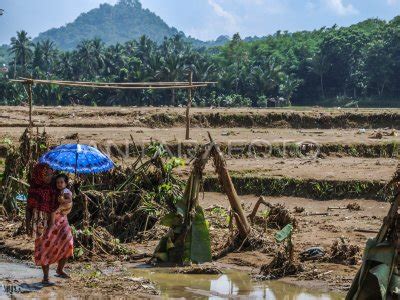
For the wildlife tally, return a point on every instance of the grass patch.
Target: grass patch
(310, 188)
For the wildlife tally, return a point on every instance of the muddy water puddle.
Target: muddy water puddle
(19, 281)
(231, 285)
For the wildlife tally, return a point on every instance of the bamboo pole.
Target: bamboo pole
(30, 103)
(167, 83)
(170, 87)
(229, 189)
(188, 106)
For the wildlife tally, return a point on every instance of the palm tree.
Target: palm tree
(98, 53)
(21, 48)
(114, 60)
(175, 54)
(289, 86)
(49, 54)
(238, 57)
(171, 71)
(88, 63)
(65, 66)
(265, 78)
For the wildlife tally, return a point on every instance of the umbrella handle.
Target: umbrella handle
(86, 213)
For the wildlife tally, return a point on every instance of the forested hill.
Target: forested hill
(350, 66)
(122, 22)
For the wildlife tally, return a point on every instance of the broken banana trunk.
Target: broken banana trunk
(188, 239)
(379, 276)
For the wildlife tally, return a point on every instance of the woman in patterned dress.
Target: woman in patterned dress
(53, 236)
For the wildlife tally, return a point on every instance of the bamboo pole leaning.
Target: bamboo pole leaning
(230, 191)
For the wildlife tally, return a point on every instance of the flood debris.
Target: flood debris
(376, 135)
(351, 206)
(354, 206)
(284, 262)
(279, 216)
(18, 166)
(198, 269)
(126, 206)
(280, 267)
(188, 239)
(92, 242)
(299, 209)
(343, 252)
(313, 253)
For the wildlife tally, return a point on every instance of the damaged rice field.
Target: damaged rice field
(323, 172)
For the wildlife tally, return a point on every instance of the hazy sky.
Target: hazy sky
(204, 19)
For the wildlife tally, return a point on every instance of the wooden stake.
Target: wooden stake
(30, 103)
(189, 104)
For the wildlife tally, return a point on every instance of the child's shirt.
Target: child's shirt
(65, 208)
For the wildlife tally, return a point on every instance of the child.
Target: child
(64, 195)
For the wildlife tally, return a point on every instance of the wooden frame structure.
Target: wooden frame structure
(188, 85)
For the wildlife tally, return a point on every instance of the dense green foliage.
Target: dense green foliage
(4, 57)
(346, 66)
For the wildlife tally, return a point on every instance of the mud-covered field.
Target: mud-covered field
(205, 117)
(318, 161)
(319, 225)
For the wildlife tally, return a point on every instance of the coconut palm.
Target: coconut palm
(21, 48)
(49, 55)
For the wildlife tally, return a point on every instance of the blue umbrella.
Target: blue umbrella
(78, 159)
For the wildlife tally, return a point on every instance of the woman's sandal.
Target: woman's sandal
(46, 282)
(63, 275)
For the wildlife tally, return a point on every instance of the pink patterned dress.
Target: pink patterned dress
(56, 244)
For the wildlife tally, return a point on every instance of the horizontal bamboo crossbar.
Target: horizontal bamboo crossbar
(169, 83)
(128, 86)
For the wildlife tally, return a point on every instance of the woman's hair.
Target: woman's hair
(63, 176)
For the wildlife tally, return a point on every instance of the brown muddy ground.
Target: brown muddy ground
(115, 125)
(79, 116)
(346, 168)
(228, 136)
(312, 230)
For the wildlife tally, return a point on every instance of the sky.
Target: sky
(204, 19)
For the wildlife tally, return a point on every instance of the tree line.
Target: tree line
(346, 66)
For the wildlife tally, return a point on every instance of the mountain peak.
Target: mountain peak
(112, 24)
(131, 3)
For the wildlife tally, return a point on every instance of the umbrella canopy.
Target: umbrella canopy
(77, 158)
